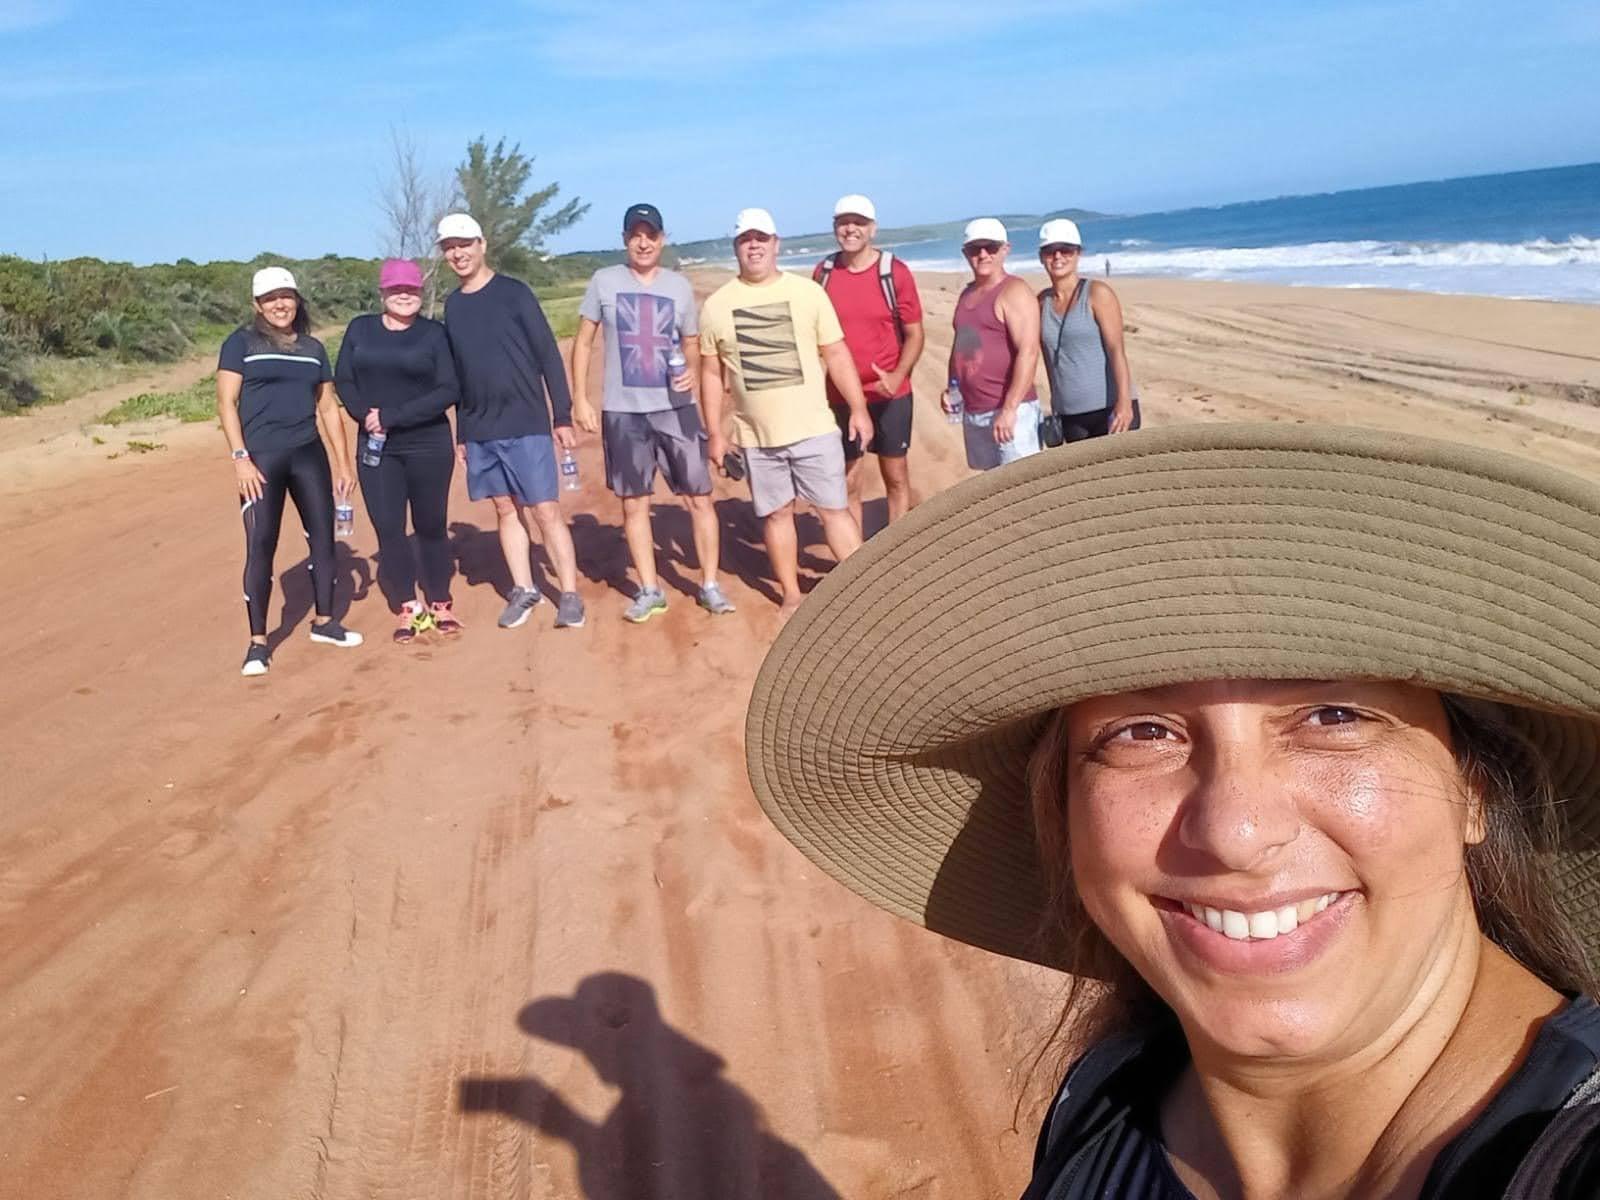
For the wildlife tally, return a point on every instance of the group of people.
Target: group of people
(1280, 740)
(813, 375)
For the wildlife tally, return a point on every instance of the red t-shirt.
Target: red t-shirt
(868, 326)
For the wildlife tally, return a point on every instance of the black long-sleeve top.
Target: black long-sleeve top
(506, 359)
(408, 375)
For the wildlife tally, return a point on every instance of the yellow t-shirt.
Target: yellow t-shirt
(768, 336)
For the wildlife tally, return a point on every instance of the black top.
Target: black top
(406, 374)
(278, 400)
(1107, 1127)
(506, 357)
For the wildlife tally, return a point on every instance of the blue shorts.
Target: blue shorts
(521, 467)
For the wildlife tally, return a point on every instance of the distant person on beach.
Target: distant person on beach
(281, 419)
(1080, 337)
(1282, 743)
(994, 353)
(776, 334)
(648, 418)
(876, 300)
(507, 361)
(397, 380)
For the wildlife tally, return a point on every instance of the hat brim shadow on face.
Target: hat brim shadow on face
(889, 731)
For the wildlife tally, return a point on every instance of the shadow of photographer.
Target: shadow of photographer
(678, 1130)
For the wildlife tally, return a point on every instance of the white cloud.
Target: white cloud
(60, 84)
(17, 15)
(97, 77)
(597, 41)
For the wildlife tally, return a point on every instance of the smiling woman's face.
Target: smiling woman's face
(1283, 862)
(279, 307)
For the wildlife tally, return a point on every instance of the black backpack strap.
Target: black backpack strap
(825, 269)
(886, 283)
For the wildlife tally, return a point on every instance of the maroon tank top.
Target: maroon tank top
(983, 355)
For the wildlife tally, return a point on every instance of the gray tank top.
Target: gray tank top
(1074, 356)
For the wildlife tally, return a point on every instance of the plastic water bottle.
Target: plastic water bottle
(344, 520)
(676, 365)
(372, 449)
(569, 471)
(954, 415)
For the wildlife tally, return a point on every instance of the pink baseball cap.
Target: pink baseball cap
(399, 272)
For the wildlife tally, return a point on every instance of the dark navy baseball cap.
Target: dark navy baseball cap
(649, 214)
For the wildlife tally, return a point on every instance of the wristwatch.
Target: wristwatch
(240, 454)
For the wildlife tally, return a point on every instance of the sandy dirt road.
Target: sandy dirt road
(500, 918)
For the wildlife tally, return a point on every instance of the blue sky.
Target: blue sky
(152, 131)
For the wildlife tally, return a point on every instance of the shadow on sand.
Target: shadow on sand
(603, 552)
(678, 1131)
(352, 581)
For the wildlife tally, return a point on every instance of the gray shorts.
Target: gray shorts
(672, 441)
(983, 452)
(812, 469)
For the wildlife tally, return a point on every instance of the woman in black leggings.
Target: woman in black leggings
(397, 379)
(278, 411)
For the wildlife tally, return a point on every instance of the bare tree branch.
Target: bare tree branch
(412, 197)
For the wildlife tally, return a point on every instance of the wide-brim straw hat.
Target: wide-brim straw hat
(890, 728)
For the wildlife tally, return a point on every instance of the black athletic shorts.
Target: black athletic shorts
(1076, 427)
(891, 428)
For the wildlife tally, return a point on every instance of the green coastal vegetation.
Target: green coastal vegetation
(821, 243)
(71, 326)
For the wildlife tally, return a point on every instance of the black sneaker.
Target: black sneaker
(335, 634)
(257, 660)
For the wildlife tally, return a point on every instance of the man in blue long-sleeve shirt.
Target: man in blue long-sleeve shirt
(506, 360)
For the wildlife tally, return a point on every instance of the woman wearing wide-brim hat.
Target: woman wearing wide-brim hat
(1284, 742)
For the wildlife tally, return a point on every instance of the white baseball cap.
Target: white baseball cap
(855, 205)
(459, 225)
(1060, 232)
(271, 279)
(758, 219)
(984, 229)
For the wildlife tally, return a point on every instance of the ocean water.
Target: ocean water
(1532, 234)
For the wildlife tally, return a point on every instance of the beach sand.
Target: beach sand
(501, 917)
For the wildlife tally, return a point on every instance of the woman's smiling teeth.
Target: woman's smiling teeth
(1259, 926)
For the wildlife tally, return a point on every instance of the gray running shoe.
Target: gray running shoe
(569, 611)
(713, 600)
(518, 605)
(646, 604)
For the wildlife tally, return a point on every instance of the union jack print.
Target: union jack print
(644, 338)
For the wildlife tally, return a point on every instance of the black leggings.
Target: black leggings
(303, 474)
(422, 479)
